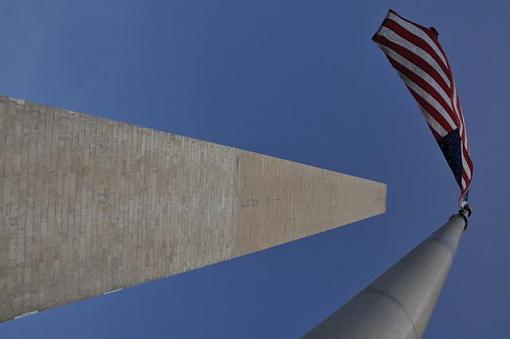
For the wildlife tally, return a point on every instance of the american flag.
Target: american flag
(416, 54)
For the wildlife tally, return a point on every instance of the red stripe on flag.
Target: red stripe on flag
(415, 59)
(415, 40)
(432, 33)
(427, 87)
(430, 110)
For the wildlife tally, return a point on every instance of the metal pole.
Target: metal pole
(400, 302)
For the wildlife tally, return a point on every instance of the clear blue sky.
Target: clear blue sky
(299, 80)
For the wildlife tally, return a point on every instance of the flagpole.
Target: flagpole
(400, 302)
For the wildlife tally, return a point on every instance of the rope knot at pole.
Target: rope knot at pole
(465, 213)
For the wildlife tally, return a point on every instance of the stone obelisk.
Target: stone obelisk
(89, 205)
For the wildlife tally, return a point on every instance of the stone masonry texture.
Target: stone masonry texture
(89, 205)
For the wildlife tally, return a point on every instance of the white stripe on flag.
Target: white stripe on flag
(418, 71)
(394, 37)
(420, 33)
(427, 97)
(464, 163)
(433, 123)
(456, 108)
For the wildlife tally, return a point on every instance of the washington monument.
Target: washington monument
(89, 206)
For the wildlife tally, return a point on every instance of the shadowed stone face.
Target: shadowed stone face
(89, 205)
